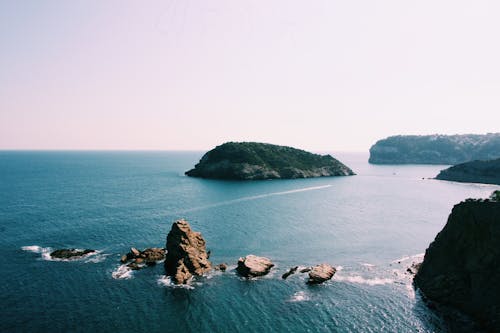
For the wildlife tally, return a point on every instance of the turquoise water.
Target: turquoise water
(371, 227)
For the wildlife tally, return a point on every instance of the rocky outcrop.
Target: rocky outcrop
(435, 149)
(70, 253)
(486, 172)
(252, 266)
(136, 259)
(186, 253)
(253, 160)
(321, 273)
(461, 268)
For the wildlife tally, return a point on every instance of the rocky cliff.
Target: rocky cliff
(435, 149)
(461, 268)
(486, 172)
(252, 160)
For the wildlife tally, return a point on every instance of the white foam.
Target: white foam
(44, 251)
(299, 296)
(367, 265)
(166, 281)
(122, 272)
(95, 257)
(361, 280)
(408, 257)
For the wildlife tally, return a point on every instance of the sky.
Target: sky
(190, 75)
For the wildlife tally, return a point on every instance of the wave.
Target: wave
(299, 296)
(122, 273)
(361, 280)
(166, 281)
(250, 198)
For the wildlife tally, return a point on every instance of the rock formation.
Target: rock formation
(486, 172)
(186, 253)
(321, 273)
(461, 268)
(253, 160)
(435, 149)
(137, 259)
(70, 253)
(251, 266)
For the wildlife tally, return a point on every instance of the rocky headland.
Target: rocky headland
(187, 255)
(461, 267)
(435, 149)
(486, 172)
(253, 161)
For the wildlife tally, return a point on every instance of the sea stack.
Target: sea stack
(186, 253)
(321, 273)
(461, 268)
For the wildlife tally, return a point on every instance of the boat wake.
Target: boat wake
(253, 197)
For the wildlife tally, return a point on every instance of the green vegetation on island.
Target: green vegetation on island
(253, 160)
(435, 149)
(486, 172)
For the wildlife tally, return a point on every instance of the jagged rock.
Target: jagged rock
(152, 255)
(70, 253)
(290, 272)
(135, 252)
(252, 265)
(139, 260)
(305, 270)
(413, 269)
(461, 267)
(186, 253)
(321, 273)
(124, 258)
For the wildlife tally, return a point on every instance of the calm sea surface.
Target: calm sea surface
(371, 227)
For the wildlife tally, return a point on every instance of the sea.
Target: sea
(371, 227)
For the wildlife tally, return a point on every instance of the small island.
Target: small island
(255, 161)
(486, 172)
(435, 149)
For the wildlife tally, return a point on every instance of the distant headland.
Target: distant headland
(254, 160)
(435, 149)
(486, 172)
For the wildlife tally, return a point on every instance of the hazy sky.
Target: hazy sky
(185, 74)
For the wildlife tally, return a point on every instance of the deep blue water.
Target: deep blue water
(109, 201)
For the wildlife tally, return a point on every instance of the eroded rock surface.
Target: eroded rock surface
(186, 253)
(251, 266)
(321, 273)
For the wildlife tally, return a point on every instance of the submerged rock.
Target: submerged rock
(290, 272)
(220, 267)
(70, 253)
(321, 273)
(186, 253)
(252, 265)
(461, 268)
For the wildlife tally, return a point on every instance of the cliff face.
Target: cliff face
(461, 268)
(252, 160)
(486, 172)
(435, 149)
